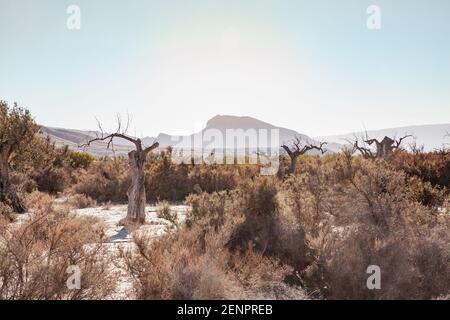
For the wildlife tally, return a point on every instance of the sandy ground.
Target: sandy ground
(117, 234)
(118, 237)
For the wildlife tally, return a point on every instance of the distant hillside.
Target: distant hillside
(219, 123)
(429, 136)
(74, 138)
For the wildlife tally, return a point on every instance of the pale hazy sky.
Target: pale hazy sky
(312, 66)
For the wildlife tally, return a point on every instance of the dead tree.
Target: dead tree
(383, 149)
(296, 150)
(17, 131)
(136, 192)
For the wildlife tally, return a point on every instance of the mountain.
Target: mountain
(75, 138)
(218, 133)
(431, 137)
(214, 135)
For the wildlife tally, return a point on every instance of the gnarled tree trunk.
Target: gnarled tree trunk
(136, 192)
(296, 150)
(384, 148)
(7, 190)
(137, 157)
(293, 166)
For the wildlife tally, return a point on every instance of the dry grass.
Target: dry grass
(366, 215)
(195, 263)
(81, 201)
(164, 211)
(35, 255)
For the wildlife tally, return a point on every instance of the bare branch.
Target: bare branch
(366, 152)
(312, 146)
(297, 150)
(371, 141)
(152, 147)
(121, 134)
(287, 149)
(398, 142)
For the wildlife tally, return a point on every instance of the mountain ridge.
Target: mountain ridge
(425, 134)
(430, 136)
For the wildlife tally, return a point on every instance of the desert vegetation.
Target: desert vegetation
(309, 232)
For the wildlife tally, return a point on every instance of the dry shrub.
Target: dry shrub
(176, 267)
(446, 206)
(35, 255)
(105, 180)
(165, 180)
(424, 192)
(51, 179)
(266, 228)
(195, 263)
(6, 212)
(77, 159)
(433, 167)
(309, 197)
(206, 209)
(23, 182)
(264, 278)
(81, 201)
(368, 217)
(164, 211)
(108, 179)
(40, 201)
(213, 178)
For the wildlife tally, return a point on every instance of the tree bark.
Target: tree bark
(136, 192)
(293, 169)
(7, 190)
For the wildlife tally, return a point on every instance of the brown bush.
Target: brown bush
(163, 211)
(79, 160)
(266, 228)
(206, 209)
(6, 212)
(197, 262)
(105, 180)
(24, 182)
(165, 180)
(433, 167)
(35, 255)
(213, 178)
(424, 192)
(178, 266)
(81, 201)
(51, 179)
(375, 222)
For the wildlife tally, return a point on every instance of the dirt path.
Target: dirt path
(120, 238)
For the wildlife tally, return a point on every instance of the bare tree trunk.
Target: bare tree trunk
(296, 150)
(8, 190)
(136, 192)
(384, 150)
(293, 169)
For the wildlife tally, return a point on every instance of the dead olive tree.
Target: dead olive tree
(383, 149)
(296, 149)
(17, 130)
(136, 192)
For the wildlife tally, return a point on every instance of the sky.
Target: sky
(311, 66)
